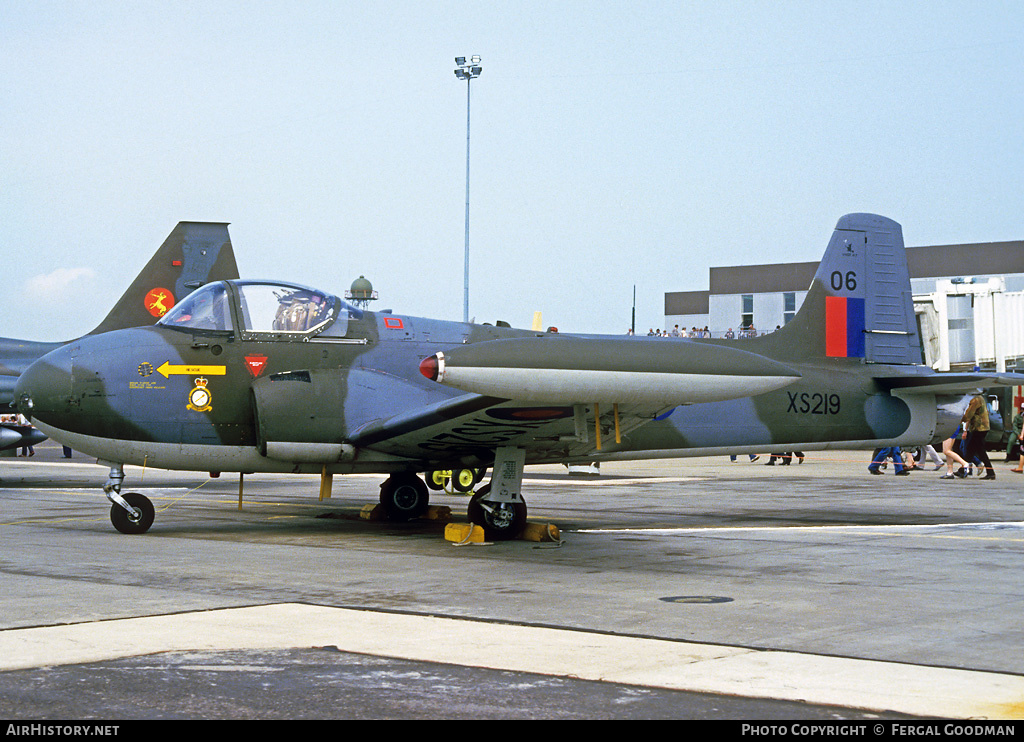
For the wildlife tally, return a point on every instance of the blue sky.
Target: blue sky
(613, 144)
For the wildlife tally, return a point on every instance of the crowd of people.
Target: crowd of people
(964, 451)
(19, 420)
(697, 332)
(784, 458)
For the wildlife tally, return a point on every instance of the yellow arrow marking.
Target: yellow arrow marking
(167, 369)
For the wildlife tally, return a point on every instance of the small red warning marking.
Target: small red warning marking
(255, 364)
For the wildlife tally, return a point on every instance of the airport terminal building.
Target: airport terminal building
(969, 301)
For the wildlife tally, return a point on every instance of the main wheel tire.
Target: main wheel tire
(404, 497)
(463, 480)
(500, 520)
(133, 523)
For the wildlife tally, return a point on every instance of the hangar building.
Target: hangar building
(969, 301)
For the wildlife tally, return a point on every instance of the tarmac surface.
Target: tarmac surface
(683, 588)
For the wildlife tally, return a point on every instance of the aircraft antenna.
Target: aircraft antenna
(361, 293)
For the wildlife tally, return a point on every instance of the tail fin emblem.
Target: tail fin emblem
(159, 301)
(844, 327)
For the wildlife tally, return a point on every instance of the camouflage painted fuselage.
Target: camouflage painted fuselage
(299, 405)
(317, 385)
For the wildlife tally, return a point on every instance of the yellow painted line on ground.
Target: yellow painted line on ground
(645, 662)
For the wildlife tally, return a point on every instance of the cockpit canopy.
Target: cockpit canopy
(261, 309)
(206, 308)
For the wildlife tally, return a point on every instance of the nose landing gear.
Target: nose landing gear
(130, 513)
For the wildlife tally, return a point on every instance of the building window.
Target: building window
(747, 315)
(788, 306)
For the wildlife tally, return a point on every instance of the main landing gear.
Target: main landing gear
(404, 497)
(500, 520)
(498, 507)
(131, 512)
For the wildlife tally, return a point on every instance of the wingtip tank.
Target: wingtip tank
(549, 370)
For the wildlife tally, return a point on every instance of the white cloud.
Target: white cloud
(56, 283)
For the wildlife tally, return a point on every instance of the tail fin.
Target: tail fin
(193, 254)
(859, 305)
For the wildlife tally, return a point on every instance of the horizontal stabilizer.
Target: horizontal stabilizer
(948, 383)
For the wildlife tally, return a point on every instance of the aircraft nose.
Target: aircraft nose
(45, 387)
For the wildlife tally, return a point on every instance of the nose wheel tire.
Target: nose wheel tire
(500, 520)
(137, 521)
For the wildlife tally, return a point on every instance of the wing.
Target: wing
(563, 397)
(470, 427)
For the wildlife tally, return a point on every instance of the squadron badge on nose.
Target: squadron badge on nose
(199, 399)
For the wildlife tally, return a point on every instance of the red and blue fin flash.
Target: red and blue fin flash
(844, 327)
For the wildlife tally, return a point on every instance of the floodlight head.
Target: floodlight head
(475, 59)
(460, 73)
(476, 71)
(460, 61)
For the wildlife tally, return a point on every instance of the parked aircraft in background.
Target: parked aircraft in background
(256, 376)
(16, 435)
(193, 254)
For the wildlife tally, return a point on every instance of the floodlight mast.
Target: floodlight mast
(467, 71)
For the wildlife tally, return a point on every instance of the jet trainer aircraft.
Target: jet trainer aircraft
(193, 254)
(260, 376)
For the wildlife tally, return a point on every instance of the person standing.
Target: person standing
(25, 450)
(1013, 440)
(930, 453)
(977, 426)
(1018, 429)
(881, 454)
(949, 450)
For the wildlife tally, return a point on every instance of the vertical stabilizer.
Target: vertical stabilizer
(859, 305)
(193, 254)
